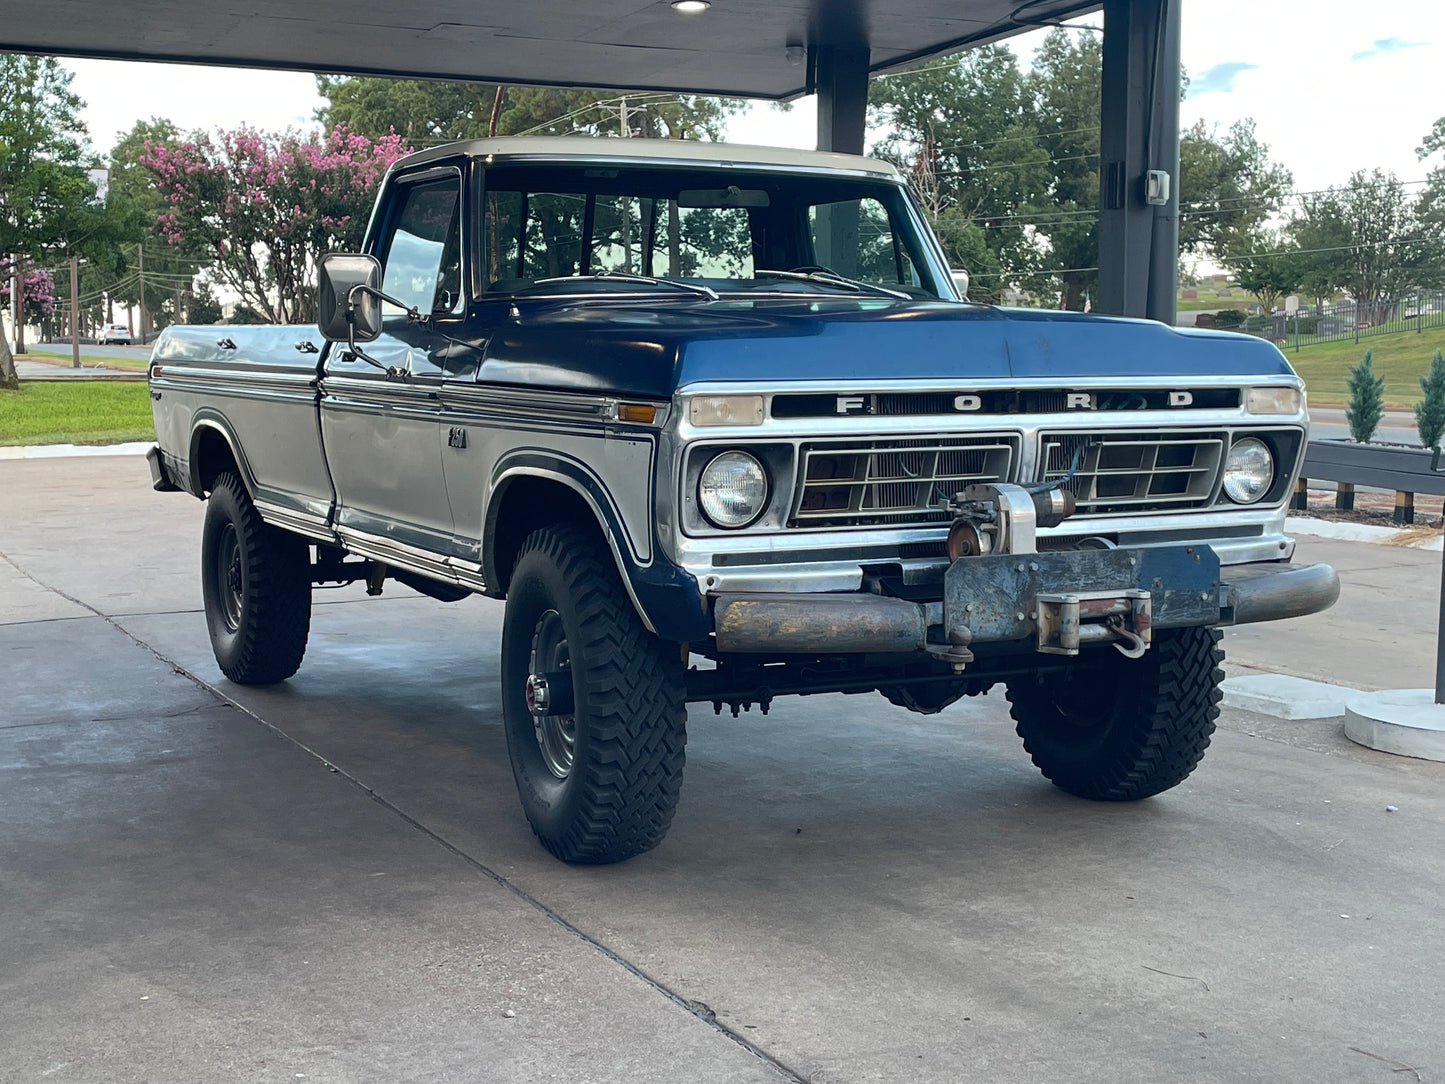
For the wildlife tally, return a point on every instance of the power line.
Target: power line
(1031, 274)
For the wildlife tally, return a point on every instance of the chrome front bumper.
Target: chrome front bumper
(997, 600)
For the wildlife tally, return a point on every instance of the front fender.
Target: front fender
(665, 597)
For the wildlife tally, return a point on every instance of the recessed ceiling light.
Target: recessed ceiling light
(691, 7)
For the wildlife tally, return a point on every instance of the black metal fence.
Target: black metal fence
(1343, 320)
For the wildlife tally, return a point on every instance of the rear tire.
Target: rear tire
(1120, 729)
(256, 580)
(601, 783)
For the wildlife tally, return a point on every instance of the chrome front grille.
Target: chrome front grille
(904, 481)
(1136, 472)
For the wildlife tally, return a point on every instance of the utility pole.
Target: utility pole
(140, 256)
(17, 301)
(75, 312)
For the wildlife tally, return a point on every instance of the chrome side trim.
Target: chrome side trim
(390, 552)
(181, 373)
(292, 520)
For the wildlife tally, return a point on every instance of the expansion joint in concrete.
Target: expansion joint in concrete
(697, 1009)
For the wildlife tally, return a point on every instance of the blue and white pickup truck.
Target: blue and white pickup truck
(715, 423)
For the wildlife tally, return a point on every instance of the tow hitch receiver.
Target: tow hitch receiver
(1067, 620)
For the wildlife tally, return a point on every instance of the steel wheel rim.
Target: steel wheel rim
(556, 734)
(230, 577)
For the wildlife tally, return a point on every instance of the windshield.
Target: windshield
(729, 230)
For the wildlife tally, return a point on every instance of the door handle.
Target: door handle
(226, 344)
(306, 346)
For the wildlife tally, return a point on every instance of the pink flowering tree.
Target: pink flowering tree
(267, 205)
(37, 291)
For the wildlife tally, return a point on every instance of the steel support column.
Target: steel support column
(1139, 132)
(840, 77)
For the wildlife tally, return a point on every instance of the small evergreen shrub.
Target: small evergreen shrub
(1367, 399)
(1430, 411)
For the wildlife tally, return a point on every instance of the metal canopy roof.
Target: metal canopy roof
(737, 47)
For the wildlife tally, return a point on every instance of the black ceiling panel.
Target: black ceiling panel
(736, 47)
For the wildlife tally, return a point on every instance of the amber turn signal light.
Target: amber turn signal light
(636, 412)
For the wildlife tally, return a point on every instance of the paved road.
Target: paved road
(1329, 422)
(139, 353)
(333, 878)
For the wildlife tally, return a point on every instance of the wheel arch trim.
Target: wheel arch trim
(209, 420)
(532, 463)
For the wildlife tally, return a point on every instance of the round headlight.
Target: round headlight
(733, 490)
(1248, 471)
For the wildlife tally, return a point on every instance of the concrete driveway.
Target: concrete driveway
(332, 879)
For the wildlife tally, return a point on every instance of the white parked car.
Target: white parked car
(114, 333)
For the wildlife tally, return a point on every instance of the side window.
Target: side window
(855, 238)
(423, 265)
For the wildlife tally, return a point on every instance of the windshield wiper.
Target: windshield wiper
(832, 278)
(644, 280)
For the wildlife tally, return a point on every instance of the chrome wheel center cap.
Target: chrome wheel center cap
(539, 695)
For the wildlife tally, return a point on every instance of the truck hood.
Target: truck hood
(652, 349)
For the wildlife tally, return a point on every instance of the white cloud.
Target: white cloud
(1386, 46)
(1220, 78)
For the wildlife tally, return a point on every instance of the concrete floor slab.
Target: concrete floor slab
(1380, 635)
(189, 897)
(865, 894)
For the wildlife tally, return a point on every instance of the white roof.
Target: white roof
(672, 151)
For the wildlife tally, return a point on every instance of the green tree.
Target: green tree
(963, 129)
(136, 201)
(1267, 264)
(1228, 187)
(267, 205)
(1430, 410)
(44, 191)
(1065, 86)
(1431, 207)
(1366, 405)
(1369, 239)
(1006, 163)
(426, 113)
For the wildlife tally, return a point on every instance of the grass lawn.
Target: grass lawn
(1401, 358)
(78, 412)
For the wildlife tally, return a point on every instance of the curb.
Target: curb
(68, 451)
(1403, 537)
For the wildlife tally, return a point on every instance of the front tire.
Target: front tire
(599, 783)
(256, 580)
(1120, 729)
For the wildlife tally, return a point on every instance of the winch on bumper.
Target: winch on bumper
(1000, 589)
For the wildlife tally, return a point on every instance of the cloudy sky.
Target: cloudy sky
(1330, 91)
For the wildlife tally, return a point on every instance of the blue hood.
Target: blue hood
(651, 349)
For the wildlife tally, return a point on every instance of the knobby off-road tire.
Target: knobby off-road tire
(256, 580)
(1121, 729)
(602, 784)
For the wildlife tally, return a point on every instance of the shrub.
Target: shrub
(1229, 318)
(1367, 399)
(1430, 411)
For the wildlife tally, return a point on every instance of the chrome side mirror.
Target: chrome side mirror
(348, 298)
